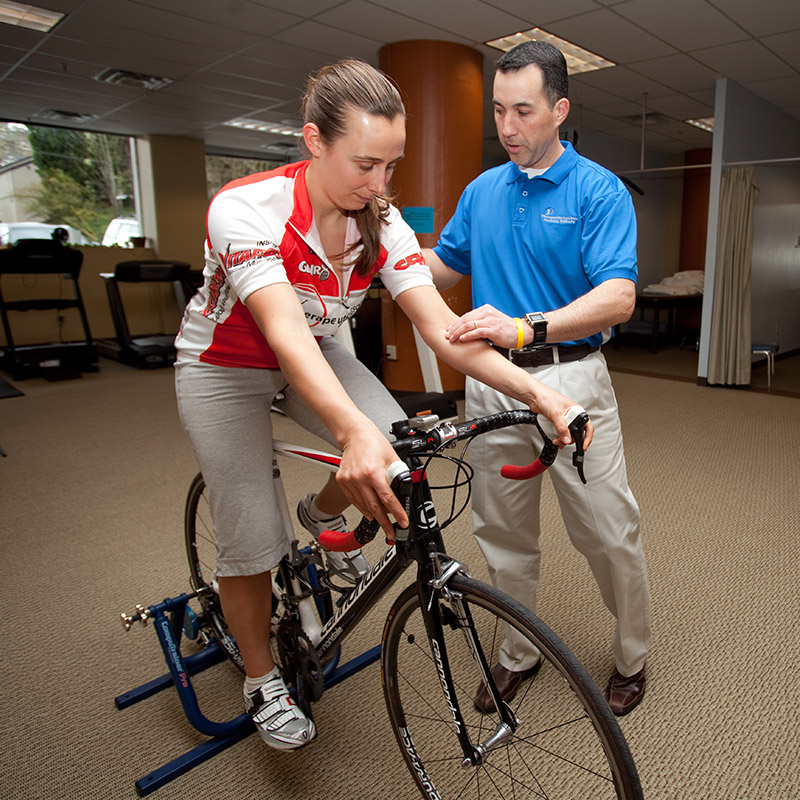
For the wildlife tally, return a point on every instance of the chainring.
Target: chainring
(300, 663)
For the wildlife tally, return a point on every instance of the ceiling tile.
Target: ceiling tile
(159, 23)
(112, 56)
(141, 45)
(581, 92)
(786, 46)
(317, 37)
(375, 22)
(253, 19)
(625, 83)
(680, 72)
(301, 8)
(743, 61)
(537, 13)
(764, 17)
(684, 24)
(680, 106)
(472, 19)
(263, 91)
(610, 36)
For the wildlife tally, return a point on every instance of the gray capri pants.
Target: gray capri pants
(226, 413)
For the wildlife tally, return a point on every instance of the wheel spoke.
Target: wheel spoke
(567, 743)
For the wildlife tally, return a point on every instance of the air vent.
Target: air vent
(132, 80)
(651, 118)
(57, 115)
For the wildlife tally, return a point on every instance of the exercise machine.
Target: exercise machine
(144, 351)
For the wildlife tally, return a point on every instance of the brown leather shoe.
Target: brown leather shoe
(624, 694)
(508, 681)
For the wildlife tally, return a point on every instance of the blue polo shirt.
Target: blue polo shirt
(537, 244)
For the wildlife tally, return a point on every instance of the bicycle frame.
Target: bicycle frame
(369, 589)
(426, 547)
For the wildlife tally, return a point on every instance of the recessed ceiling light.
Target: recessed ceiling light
(264, 127)
(27, 16)
(706, 123)
(578, 59)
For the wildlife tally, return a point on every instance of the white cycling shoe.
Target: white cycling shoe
(279, 721)
(348, 566)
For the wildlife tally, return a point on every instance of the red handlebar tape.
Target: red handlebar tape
(523, 473)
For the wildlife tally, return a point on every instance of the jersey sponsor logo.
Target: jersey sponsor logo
(315, 270)
(316, 308)
(313, 305)
(218, 283)
(551, 216)
(405, 263)
(244, 258)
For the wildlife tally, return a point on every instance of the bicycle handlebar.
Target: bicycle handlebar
(428, 437)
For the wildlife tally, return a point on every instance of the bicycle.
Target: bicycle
(557, 738)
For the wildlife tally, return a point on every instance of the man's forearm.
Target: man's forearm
(608, 304)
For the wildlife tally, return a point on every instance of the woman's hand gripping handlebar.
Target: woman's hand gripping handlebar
(399, 478)
(427, 435)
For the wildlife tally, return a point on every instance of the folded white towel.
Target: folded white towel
(681, 283)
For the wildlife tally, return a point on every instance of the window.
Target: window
(63, 177)
(221, 169)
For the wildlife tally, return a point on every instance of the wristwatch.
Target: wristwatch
(538, 322)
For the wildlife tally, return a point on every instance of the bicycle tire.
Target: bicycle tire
(568, 744)
(201, 551)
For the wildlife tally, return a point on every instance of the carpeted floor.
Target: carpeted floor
(92, 502)
(9, 390)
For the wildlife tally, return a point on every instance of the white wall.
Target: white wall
(749, 129)
(775, 281)
(658, 238)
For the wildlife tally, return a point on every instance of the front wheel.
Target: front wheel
(567, 744)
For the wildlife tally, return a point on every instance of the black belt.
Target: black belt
(541, 356)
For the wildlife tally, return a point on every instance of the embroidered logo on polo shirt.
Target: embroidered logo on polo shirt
(551, 216)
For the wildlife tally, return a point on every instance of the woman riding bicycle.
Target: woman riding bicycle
(289, 255)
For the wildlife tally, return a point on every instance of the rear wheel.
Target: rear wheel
(567, 744)
(201, 550)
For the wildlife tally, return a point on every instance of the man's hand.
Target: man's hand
(487, 322)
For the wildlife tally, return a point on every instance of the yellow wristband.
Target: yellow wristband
(520, 333)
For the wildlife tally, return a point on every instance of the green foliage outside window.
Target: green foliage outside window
(85, 178)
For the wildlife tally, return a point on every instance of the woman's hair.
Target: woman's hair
(330, 95)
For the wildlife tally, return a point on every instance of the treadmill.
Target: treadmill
(148, 351)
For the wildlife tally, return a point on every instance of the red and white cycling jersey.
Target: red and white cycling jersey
(260, 231)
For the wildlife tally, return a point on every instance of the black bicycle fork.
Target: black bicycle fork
(442, 606)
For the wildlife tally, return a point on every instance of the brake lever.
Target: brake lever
(576, 421)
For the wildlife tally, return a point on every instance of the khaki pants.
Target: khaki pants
(601, 517)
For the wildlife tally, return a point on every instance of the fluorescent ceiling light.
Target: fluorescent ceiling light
(578, 59)
(27, 16)
(706, 123)
(263, 127)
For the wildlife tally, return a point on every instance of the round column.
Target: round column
(442, 86)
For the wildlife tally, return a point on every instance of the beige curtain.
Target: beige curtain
(730, 344)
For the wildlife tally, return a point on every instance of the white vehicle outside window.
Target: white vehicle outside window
(12, 232)
(120, 230)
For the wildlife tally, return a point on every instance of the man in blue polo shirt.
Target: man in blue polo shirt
(549, 239)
